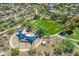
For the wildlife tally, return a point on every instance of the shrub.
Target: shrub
(11, 31)
(76, 52)
(67, 45)
(31, 52)
(14, 51)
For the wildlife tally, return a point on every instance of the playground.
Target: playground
(24, 40)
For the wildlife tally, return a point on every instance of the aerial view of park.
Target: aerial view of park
(39, 29)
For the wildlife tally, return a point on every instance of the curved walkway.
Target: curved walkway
(7, 30)
(11, 41)
(22, 49)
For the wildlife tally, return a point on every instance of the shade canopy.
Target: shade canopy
(28, 37)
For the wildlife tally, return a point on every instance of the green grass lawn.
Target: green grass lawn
(50, 27)
(75, 35)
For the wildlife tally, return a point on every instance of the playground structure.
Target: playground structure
(23, 35)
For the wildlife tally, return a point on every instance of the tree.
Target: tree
(14, 51)
(31, 52)
(11, 31)
(58, 51)
(27, 24)
(67, 45)
(1, 27)
(21, 20)
(76, 52)
(40, 32)
(47, 53)
(36, 17)
(64, 46)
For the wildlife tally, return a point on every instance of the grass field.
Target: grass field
(50, 27)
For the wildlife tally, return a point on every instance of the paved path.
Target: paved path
(10, 42)
(7, 30)
(2, 53)
(36, 11)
